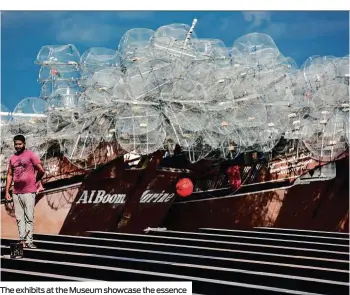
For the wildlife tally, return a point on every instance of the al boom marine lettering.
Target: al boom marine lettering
(100, 196)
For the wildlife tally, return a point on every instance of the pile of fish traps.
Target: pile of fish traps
(166, 87)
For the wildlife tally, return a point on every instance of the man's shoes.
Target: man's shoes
(30, 246)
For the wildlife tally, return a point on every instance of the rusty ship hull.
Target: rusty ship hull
(288, 192)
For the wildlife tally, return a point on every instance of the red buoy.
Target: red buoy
(184, 187)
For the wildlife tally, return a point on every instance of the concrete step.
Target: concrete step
(108, 267)
(216, 257)
(226, 235)
(252, 244)
(22, 275)
(200, 247)
(302, 231)
(217, 261)
(179, 260)
(200, 285)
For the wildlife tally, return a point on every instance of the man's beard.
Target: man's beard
(19, 151)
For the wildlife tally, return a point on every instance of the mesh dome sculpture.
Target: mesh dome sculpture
(170, 86)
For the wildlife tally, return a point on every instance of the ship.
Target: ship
(278, 159)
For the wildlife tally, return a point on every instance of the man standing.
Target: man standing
(21, 171)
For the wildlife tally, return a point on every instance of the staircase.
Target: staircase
(217, 261)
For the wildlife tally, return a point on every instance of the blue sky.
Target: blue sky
(297, 34)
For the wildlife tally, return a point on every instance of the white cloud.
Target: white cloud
(22, 18)
(257, 18)
(309, 28)
(277, 29)
(291, 28)
(89, 29)
(96, 28)
(69, 31)
(67, 27)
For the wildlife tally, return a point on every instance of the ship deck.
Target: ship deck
(217, 261)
